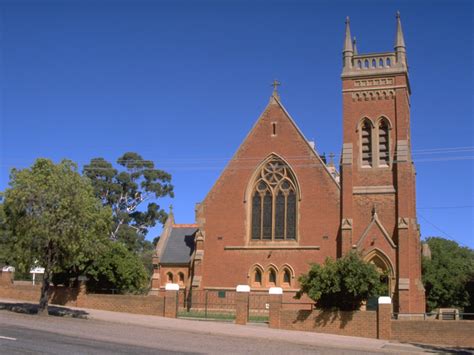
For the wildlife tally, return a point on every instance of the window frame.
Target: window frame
(290, 232)
(374, 142)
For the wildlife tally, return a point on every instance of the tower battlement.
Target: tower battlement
(369, 64)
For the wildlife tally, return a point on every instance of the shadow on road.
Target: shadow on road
(31, 308)
(445, 349)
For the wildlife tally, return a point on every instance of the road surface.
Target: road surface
(31, 334)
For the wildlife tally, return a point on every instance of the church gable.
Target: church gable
(375, 235)
(275, 132)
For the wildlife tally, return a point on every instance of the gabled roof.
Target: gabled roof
(374, 223)
(180, 245)
(275, 100)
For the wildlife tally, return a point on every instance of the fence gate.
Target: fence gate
(259, 307)
(208, 304)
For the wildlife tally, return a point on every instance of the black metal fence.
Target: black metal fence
(220, 305)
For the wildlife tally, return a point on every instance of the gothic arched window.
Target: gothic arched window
(384, 147)
(366, 142)
(274, 203)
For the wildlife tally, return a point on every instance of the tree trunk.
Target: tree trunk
(43, 302)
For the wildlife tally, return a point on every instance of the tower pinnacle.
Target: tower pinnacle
(400, 42)
(348, 50)
(347, 39)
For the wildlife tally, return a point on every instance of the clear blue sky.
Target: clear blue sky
(183, 82)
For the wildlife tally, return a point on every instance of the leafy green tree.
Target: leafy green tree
(447, 273)
(127, 191)
(343, 284)
(53, 219)
(119, 269)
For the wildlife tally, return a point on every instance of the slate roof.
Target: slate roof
(180, 246)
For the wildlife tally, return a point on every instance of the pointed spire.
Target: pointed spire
(354, 46)
(400, 49)
(347, 39)
(399, 40)
(347, 50)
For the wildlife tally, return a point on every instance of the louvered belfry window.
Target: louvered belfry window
(366, 141)
(274, 203)
(384, 147)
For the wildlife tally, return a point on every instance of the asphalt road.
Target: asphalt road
(31, 334)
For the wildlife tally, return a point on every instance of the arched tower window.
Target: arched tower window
(272, 277)
(384, 147)
(257, 279)
(274, 203)
(181, 278)
(169, 277)
(286, 277)
(366, 143)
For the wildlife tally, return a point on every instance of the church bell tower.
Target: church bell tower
(378, 207)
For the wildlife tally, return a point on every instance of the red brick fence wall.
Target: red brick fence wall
(443, 332)
(164, 304)
(370, 324)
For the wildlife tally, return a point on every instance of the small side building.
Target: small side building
(173, 256)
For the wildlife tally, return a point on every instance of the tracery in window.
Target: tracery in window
(274, 203)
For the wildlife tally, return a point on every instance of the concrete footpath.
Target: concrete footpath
(256, 331)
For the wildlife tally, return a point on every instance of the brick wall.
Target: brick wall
(361, 324)
(57, 295)
(150, 305)
(454, 333)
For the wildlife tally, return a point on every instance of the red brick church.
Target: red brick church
(279, 205)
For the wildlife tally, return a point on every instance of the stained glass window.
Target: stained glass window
(256, 216)
(274, 202)
(291, 217)
(267, 216)
(280, 216)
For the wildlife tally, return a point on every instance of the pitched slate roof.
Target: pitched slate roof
(180, 245)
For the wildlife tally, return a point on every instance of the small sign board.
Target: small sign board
(37, 270)
(221, 294)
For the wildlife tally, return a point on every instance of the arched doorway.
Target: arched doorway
(385, 268)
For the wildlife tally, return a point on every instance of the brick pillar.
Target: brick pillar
(384, 318)
(171, 301)
(242, 304)
(276, 299)
(7, 276)
(82, 292)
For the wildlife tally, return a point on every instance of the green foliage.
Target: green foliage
(53, 219)
(118, 269)
(344, 283)
(126, 191)
(447, 274)
(130, 191)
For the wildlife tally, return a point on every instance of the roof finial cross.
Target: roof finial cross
(275, 85)
(331, 158)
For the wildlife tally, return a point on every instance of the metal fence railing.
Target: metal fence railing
(446, 315)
